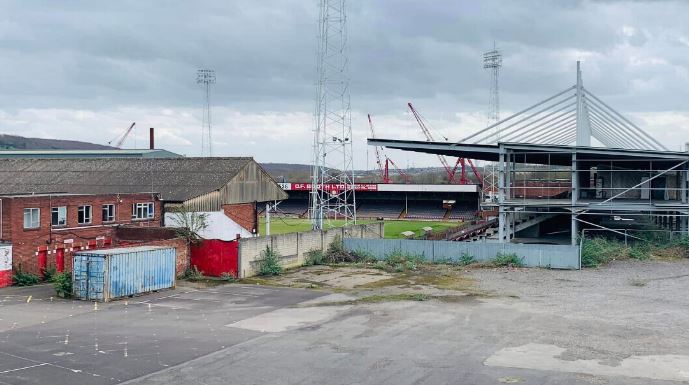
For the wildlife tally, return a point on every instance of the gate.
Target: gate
(88, 276)
(214, 257)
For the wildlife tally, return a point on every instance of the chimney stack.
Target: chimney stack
(151, 139)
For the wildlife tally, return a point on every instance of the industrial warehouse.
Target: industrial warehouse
(421, 193)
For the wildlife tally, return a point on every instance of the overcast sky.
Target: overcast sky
(85, 70)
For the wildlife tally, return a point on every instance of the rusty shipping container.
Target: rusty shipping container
(104, 275)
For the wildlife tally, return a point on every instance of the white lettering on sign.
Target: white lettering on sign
(5, 258)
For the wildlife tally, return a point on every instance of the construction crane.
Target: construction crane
(460, 163)
(383, 168)
(122, 137)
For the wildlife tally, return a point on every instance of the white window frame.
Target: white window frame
(37, 218)
(87, 220)
(58, 210)
(108, 218)
(143, 210)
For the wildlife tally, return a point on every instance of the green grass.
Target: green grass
(392, 228)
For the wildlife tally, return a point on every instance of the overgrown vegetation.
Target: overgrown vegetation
(188, 224)
(49, 274)
(466, 259)
(62, 282)
(508, 259)
(192, 273)
(22, 278)
(270, 262)
(228, 277)
(314, 257)
(600, 250)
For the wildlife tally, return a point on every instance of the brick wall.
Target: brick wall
(244, 214)
(27, 242)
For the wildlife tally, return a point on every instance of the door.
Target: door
(88, 277)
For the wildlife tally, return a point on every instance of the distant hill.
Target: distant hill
(12, 142)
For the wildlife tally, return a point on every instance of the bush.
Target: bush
(466, 259)
(62, 282)
(21, 278)
(49, 274)
(193, 274)
(599, 251)
(510, 260)
(363, 256)
(639, 252)
(401, 261)
(314, 257)
(270, 263)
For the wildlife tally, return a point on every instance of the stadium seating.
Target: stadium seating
(375, 209)
(463, 211)
(425, 210)
(292, 207)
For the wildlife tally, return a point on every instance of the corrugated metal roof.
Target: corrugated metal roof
(176, 179)
(113, 153)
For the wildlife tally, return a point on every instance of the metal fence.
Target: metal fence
(533, 255)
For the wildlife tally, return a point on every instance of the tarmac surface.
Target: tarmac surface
(529, 330)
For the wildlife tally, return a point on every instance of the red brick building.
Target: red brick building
(44, 229)
(78, 202)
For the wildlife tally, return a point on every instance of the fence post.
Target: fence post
(625, 238)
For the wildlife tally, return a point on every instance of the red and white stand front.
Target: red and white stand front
(5, 265)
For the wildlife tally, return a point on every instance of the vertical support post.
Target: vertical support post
(267, 218)
(575, 197)
(501, 195)
(583, 128)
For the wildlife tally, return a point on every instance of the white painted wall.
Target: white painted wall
(220, 226)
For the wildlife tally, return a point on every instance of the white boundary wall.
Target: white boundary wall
(293, 247)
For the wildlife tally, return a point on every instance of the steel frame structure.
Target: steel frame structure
(572, 116)
(332, 144)
(206, 78)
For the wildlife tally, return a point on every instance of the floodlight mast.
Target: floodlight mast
(332, 181)
(206, 77)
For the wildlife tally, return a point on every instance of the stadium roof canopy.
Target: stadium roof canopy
(528, 152)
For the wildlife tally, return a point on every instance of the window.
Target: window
(84, 215)
(58, 216)
(32, 218)
(142, 210)
(108, 213)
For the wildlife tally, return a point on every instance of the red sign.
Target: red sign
(335, 187)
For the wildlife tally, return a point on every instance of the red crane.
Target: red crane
(460, 163)
(123, 136)
(384, 167)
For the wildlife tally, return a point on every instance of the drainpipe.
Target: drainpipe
(1, 233)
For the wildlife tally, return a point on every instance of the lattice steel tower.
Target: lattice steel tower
(206, 78)
(492, 61)
(332, 190)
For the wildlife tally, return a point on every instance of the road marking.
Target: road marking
(24, 368)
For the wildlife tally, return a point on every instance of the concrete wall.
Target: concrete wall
(293, 247)
(553, 256)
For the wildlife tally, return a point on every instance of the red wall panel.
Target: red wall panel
(214, 257)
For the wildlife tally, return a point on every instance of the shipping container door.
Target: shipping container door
(88, 277)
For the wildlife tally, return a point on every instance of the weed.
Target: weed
(400, 261)
(228, 276)
(270, 263)
(62, 282)
(314, 257)
(363, 256)
(510, 260)
(49, 274)
(639, 252)
(466, 259)
(193, 274)
(638, 282)
(21, 278)
(599, 251)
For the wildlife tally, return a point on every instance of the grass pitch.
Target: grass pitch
(393, 229)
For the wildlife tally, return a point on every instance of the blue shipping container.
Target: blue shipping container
(103, 275)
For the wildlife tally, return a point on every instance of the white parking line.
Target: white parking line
(24, 368)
